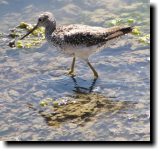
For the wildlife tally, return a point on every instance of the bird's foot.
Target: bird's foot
(95, 77)
(71, 73)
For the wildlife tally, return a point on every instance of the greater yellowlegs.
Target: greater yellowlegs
(78, 40)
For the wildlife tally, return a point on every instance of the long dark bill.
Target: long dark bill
(29, 32)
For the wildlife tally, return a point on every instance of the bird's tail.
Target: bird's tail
(120, 32)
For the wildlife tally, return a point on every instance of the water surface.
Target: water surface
(28, 76)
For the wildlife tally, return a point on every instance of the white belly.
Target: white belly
(82, 52)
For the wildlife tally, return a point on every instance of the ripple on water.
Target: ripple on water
(115, 107)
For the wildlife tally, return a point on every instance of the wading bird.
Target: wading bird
(78, 40)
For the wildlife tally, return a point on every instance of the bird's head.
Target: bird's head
(45, 19)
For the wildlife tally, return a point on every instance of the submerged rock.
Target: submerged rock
(80, 109)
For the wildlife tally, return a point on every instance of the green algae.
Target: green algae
(22, 25)
(14, 35)
(145, 39)
(28, 45)
(141, 36)
(130, 21)
(136, 31)
(81, 108)
(55, 104)
(19, 44)
(45, 102)
(115, 22)
(33, 40)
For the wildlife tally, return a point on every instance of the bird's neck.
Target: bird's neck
(49, 29)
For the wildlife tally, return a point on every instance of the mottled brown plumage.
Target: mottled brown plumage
(87, 35)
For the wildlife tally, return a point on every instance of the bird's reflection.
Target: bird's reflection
(80, 89)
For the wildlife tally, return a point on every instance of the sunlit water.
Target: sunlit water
(28, 76)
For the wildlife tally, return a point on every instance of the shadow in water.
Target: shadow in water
(83, 90)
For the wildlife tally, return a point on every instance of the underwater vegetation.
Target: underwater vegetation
(32, 40)
(78, 109)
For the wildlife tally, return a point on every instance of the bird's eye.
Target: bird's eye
(40, 19)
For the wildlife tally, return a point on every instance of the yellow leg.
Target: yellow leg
(71, 71)
(94, 71)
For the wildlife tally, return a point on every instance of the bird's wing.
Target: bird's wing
(87, 35)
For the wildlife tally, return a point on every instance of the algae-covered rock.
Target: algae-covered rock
(34, 39)
(23, 25)
(28, 45)
(43, 103)
(55, 104)
(136, 31)
(14, 35)
(19, 44)
(80, 109)
(145, 39)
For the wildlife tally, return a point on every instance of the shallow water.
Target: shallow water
(28, 76)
